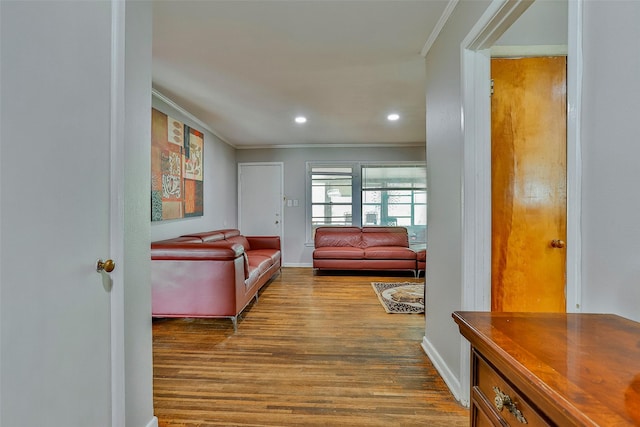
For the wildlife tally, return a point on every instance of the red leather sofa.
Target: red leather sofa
(421, 258)
(211, 274)
(363, 248)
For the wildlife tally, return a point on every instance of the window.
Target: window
(396, 195)
(331, 195)
(343, 194)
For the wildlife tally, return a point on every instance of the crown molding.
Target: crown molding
(439, 26)
(173, 104)
(365, 145)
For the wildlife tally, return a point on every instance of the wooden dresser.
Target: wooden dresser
(543, 369)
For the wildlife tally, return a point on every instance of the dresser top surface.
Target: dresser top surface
(587, 365)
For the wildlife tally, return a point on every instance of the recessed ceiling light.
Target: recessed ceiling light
(301, 119)
(393, 117)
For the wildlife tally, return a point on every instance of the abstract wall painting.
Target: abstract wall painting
(177, 168)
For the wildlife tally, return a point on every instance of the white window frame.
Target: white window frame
(355, 193)
(356, 189)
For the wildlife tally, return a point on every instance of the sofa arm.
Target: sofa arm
(264, 242)
(196, 251)
(197, 287)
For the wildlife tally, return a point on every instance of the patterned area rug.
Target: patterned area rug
(400, 297)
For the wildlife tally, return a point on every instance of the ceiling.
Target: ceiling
(246, 69)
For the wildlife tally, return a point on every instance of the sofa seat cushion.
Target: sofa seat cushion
(389, 252)
(338, 252)
(252, 278)
(260, 263)
(273, 254)
(365, 264)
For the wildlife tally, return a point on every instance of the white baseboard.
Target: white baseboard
(153, 422)
(443, 369)
(291, 264)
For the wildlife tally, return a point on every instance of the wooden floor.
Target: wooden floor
(316, 350)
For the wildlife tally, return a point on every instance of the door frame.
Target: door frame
(281, 167)
(116, 212)
(476, 127)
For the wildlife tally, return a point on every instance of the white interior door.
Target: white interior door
(56, 133)
(260, 199)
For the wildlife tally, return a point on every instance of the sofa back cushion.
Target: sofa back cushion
(181, 239)
(195, 251)
(241, 240)
(207, 236)
(384, 236)
(230, 232)
(338, 236)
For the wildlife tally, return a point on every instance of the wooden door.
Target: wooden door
(528, 156)
(260, 199)
(55, 210)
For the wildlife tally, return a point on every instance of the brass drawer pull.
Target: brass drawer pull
(503, 400)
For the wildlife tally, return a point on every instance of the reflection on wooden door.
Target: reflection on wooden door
(528, 156)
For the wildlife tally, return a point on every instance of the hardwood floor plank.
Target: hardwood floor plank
(315, 350)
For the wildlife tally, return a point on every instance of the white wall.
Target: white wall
(610, 150)
(294, 250)
(543, 23)
(444, 175)
(220, 183)
(610, 229)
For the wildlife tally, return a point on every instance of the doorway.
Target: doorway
(475, 73)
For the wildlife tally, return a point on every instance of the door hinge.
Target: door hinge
(491, 87)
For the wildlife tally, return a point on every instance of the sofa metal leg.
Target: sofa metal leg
(234, 319)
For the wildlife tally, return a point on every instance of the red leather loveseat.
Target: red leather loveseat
(363, 248)
(211, 274)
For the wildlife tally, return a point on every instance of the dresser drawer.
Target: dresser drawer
(504, 404)
(482, 414)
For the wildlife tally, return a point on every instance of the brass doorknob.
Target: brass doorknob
(556, 243)
(107, 265)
